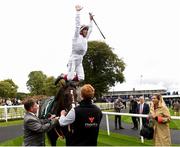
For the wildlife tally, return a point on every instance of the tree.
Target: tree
(21, 95)
(102, 67)
(36, 82)
(49, 87)
(8, 88)
(41, 84)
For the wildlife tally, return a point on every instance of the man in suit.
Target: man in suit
(35, 128)
(143, 108)
(133, 109)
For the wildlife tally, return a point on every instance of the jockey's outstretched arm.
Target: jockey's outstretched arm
(77, 21)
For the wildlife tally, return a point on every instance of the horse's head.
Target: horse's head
(70, 96)
(65, 97)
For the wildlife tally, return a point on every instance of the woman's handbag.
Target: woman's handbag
(148, 130)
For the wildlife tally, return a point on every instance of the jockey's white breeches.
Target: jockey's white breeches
(75, 67)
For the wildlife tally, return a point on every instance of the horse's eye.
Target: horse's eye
(66, 95)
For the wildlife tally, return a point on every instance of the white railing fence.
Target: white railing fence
(105, 106)
(130, 114)
(11, 112)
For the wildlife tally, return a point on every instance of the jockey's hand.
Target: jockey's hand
(63, 112)
(54, 121)
(78, 8)
(55, 118)
(91, 16)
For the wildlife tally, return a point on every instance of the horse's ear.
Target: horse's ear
(72, 84)
(62, 83)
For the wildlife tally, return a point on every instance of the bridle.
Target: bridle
(73, 105)
(73, 100)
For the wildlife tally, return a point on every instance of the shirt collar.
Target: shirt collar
(32, 113)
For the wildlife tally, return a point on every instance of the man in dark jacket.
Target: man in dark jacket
(133, 109)
(85, 120)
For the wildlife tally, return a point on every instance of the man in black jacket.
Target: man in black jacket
(133, 109)
(84, 119)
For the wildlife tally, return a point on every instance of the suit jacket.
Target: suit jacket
(145, 109)
(133, 106)
(34, 130)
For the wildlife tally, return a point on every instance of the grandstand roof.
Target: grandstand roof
(130, 87)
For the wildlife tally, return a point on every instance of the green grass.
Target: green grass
(103, 140)
(116, 139)
(11, 123)
(14, 142)
(174, 124)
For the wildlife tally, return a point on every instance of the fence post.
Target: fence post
(107, 122)
(140, 127)
(5, 113)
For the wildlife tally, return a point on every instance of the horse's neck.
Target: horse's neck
(56, 108)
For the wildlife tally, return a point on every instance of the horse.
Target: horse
(65, 98)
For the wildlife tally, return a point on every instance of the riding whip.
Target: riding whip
(97, 26)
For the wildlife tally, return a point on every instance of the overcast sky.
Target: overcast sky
(37, 35)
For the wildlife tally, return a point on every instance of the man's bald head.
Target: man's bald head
(141, 99)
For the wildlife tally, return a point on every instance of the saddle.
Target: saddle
(62, 81)
(46, 106)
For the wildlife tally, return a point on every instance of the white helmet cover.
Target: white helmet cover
(83, 27)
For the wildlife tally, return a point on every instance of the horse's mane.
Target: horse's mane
(59, 102)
